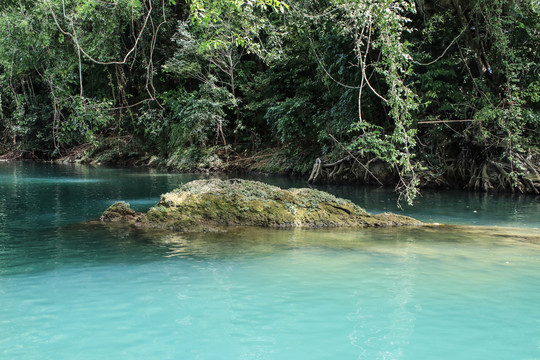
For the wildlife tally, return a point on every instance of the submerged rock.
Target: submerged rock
(204, 205)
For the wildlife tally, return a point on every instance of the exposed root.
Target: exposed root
(10, 155)
(515, 173)
(351, 168)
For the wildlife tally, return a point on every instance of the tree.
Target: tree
(72, 57)
(486, 121)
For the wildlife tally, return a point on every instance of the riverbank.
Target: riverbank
(218, 159)
(517, 176)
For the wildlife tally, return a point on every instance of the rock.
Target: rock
(119, 211)
(204, 205)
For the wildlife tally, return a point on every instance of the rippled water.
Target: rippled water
(84, 291)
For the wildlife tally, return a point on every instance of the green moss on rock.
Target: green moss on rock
(119, 211)
(207, 204)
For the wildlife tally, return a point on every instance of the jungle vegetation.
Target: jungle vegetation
(405, 92)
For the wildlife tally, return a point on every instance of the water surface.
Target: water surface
(72, 291)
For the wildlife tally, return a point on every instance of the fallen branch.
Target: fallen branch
(356, 159)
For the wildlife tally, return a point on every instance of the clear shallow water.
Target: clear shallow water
(72, 291)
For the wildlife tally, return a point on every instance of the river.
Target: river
(70, 290)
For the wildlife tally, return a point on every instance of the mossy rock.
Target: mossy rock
(209, 204)
(119, 211)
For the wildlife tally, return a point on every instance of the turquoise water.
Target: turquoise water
(83, 291)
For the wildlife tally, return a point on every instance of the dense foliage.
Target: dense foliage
(415, 93)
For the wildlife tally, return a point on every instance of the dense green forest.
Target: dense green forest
(409, 93)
